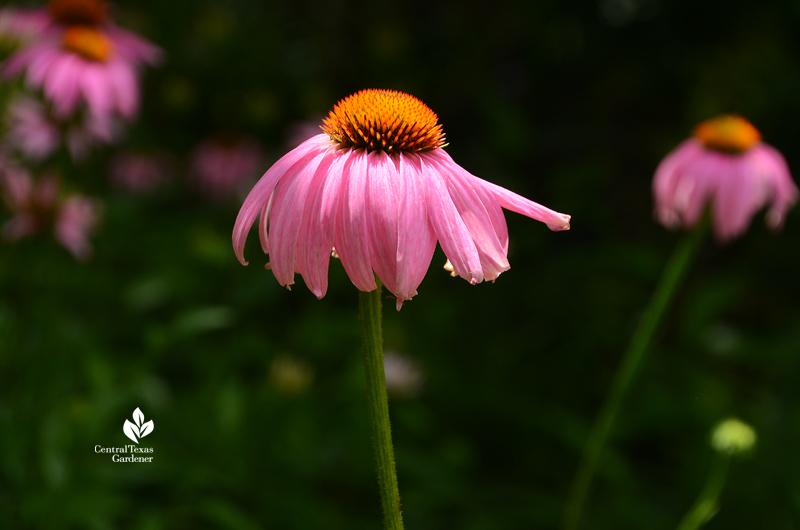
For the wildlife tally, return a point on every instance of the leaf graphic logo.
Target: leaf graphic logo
(139, 430)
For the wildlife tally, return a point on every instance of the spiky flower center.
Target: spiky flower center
(88, 43)
(388, 120)
(83, 12)
(727, 133)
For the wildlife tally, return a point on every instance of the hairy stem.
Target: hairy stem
(369, 311)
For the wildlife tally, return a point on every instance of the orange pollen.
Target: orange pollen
(88, 43)
(384, 119)
(727, 133)
(84, 12)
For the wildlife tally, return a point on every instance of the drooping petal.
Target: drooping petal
(516, 203)
(263, 236)
(668, 179)
(783, 192)
(95, 87)
(286, 214)
(261, 192)
(490, 249)
(125, 87)
(318, 228)
(382, 206)
(416, 241)
(737, 199)
(61, 84)
(352, 237)
(699, 181)
(453, 234)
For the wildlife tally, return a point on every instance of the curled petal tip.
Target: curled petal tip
(399, 304)
(473, 281)
(563, 225)
(268, 266)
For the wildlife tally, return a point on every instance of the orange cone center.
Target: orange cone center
(727, 133)
(88, 43)
(384, 119)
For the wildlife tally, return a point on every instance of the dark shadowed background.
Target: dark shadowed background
(257, 393)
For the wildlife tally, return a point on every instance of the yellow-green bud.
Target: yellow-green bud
(732, 436)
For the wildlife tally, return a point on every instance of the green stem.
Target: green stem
(369, 312)
(706, 505)
(651, 318)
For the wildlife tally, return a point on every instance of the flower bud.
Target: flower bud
(733, 437)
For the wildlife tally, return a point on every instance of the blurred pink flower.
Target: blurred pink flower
(34, 207)
(20, 25)
(82, 57)
(36, 134)
(138, 173)
(31, 203)
(727, 166)
(380, 189)
(77, 219)
(221, 167)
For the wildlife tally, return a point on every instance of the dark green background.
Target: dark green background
(569, 103)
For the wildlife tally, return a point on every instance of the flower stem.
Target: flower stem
(668, 284)
(706, 505)
(369, 312)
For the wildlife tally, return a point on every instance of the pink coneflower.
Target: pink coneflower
(221, 166)
(36, 134)
(81, 57)
(35, 207)
(379, 188)
(727, 165)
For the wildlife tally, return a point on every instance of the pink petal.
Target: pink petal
(286, 214)
(490, 249)
(125, 85)
(318, 228)
(698, 183)
(783, 192)
(262, 191)
(352, 239)
(263, 235)
(97, 91)
(739, 194)
(61, 83)
(667, 180)
(382, 206)
(132, 47)
(454, 237)
(416, 241)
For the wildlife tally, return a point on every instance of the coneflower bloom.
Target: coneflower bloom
(378, 187)
(224, 166)
(725, 164)
(81, 57)
(35, 207)
(36, 134)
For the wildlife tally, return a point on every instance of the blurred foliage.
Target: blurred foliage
(569, 103)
